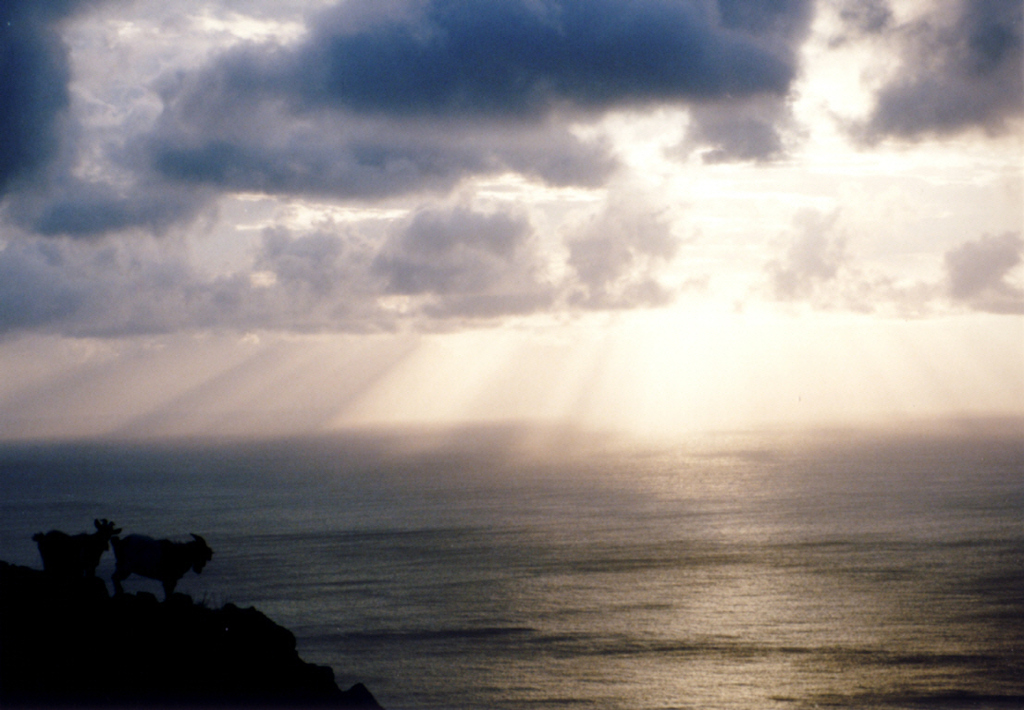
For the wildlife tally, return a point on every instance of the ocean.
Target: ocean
(500, 568)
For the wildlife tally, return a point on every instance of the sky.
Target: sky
(260, 218)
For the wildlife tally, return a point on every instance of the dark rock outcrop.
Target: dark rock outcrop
(67, 643)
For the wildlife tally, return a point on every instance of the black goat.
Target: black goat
(75, 555)
(162, 560)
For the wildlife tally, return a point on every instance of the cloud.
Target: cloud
(331, 277)
(961, 69)
(67, 206)
(616, 258)
(438, 264)
(352, 157)
(814, 257)
(441, 252)
(863, 17)
(44, 182)
(35, 292)
(143, 285)
(34, 75)
(977, 273)
(398, 103)
(470, 263)
(408, 96)
(375, 101)
(444, 267)
(308, 281)
(438, 267)
(522, 58)
(81, 288)
(818, 268)
(728, 131)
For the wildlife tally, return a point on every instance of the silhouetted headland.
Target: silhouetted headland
(65, 642)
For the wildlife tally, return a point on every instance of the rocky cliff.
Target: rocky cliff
(68, 643)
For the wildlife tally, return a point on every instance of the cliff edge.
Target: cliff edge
(67, 643)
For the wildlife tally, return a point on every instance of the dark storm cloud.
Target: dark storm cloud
(959, 71)
(976, 273)
(402, 96)
(38, 138)
(63, 205)
(348, 156)
(519, 58)
(382, 99)
(34, 75)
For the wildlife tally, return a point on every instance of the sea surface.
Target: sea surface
(490, 568)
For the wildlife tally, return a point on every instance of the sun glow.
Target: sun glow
(658, 373)
(663, 373)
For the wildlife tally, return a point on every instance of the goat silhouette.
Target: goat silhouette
(75, 555)
(162, 560)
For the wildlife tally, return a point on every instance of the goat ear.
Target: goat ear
(96, 522)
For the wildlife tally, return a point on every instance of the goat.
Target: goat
(75, 555)
(162, 560)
